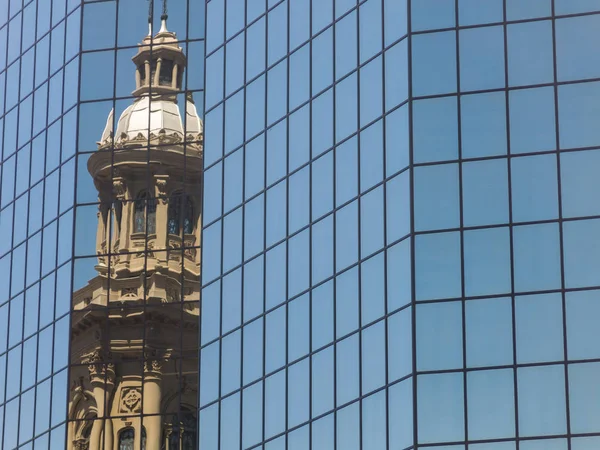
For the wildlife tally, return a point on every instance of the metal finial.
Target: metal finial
(164, 15)
(150, 16)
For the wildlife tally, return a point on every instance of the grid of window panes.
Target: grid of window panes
(399, 225)
(505, 219)
(39, 65)
(137, 218)
(304, 333)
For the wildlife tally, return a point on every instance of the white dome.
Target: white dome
(156, 117)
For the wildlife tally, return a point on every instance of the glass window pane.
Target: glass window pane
(489, 332)
(373, 358)
(440, 413)
(583, 310)
(581, 253)
(434, 63)
(432, 14)
(576, 58)
(532, 125)
(580, 184)
(475, 12)
(485, 192)
(539, 331)
(487, 261)
(518, 9)
(437, 266)
(396, 75)
(576, 6)
(583, 390)
(491, 405)
(542, 408)
(483, 124)
(525, 40)
(439, 336)
(436, 197)
(578, 115)
(534, 188)
(435, 130)
(481, 58)
(536, 257)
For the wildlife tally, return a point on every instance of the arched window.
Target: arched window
(188, 437)
(174, 214)
(180, 207)
(175, 433)
(143, 438)
(166, 72)
(145, 213)
(188, 220)
(183, 432)
(126, 438)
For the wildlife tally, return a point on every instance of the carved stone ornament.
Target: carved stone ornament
(119, 188)
(129, 293)
(172, 294)
(97, 367)
(131, 400)
(161, 189)
(81, 444)
(154, 366)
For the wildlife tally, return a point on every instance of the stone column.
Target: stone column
(101, 249)
(102, 376)
(119, 190)
(148, 74)
(157, 73)
(152, 421)
(175, 75)
(162, 208)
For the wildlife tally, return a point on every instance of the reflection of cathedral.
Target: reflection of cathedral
(134, 341)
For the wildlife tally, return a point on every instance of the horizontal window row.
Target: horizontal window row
(489, 331)
(482, 55)
(491, 412)
(523, 189)
(472, 12)
(492, 405)
(242, 416)
(487, 257)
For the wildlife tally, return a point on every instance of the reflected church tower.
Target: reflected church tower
(134, 334)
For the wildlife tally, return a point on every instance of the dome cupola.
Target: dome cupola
(154, 118)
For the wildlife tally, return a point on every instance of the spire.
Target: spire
(150, 16)
(163, 18)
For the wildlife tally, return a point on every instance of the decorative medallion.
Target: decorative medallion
(131, 399)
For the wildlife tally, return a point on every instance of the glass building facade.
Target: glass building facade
(398, 207)
(400, 243)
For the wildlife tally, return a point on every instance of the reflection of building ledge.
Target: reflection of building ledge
(175, 156)
(102, 291)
